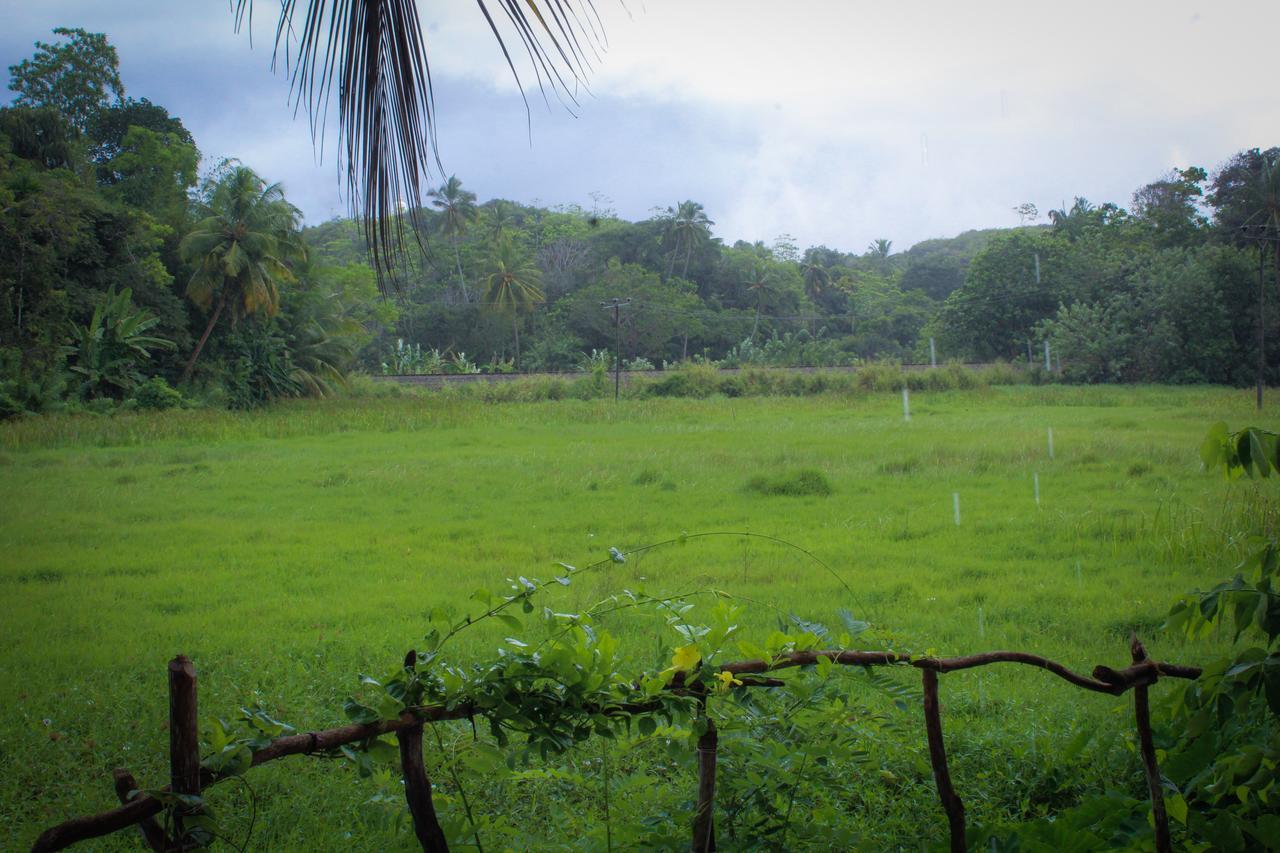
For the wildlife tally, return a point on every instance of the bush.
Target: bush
(157, 395)
(690, 380)
(1001, 373)
(9, 406)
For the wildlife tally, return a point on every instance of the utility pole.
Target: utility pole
(1262, 325)
(1260, 234)
(615, 305)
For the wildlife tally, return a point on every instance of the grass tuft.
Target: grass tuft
(802, 483)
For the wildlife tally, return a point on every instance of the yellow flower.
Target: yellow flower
(685, 658)
(726, 681)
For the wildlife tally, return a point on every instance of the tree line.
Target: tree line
(126, 268)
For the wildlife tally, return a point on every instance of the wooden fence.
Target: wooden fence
(187, 777)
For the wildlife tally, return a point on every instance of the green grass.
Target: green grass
(288, 550)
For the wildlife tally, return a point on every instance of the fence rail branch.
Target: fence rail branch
(144, 806)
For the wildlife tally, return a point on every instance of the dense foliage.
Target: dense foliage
(1165, 293)
(120, 265)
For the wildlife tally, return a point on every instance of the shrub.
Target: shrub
(157, 395)
(1001, 373)
(10, 407)
(690, 380)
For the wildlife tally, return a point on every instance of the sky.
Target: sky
(834, 122)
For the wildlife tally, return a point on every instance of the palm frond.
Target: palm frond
(374, 52)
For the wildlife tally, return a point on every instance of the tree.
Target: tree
(108, 127)
(1171, 206)
(39, 134)
(499, 219)
(153, 172)
(762, 287)
(1238, 193)
(1245, 196)
(241, 249)
(817, 278)
(76, 77)
(664, 312)
(1027, 212)
(992, 315)
(687, 227)
(936, 275)
(879, 249)
(458, 209)
(1080, 217)
(513, 287)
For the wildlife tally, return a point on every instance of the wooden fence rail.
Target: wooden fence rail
(187, 777)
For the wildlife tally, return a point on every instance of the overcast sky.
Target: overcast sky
(836, 122)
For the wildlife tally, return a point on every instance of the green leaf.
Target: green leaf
(1212, 448)
(381, 750)
(358, 713)
(1271, 682)
(1176, 807)
(1243, 446)
(854, 626)
(1258, 454)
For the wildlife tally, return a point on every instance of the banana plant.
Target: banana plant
(108, 350)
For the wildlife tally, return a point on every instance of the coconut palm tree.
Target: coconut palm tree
(458, 210)
(760, 283)
(1071, 223)
(499, 219)
(514, 286)
(373, 55)
(687, 226)
(817, 281)
(241, 250)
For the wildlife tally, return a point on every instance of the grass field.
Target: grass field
(288, 550)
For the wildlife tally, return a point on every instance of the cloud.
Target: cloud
(836, 122)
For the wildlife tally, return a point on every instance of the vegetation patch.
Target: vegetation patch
(801, 483)
(646, 477)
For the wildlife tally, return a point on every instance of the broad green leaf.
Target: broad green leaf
(1211, 449)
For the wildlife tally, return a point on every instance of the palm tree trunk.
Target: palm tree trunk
(213, 321)
(515, 324)
(687, 253)
(756, 325)
(462, 282)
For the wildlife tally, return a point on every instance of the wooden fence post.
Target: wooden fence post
(184, 737)
(1142, 711)
(417, 790)
(938, 758)
(704, 830)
